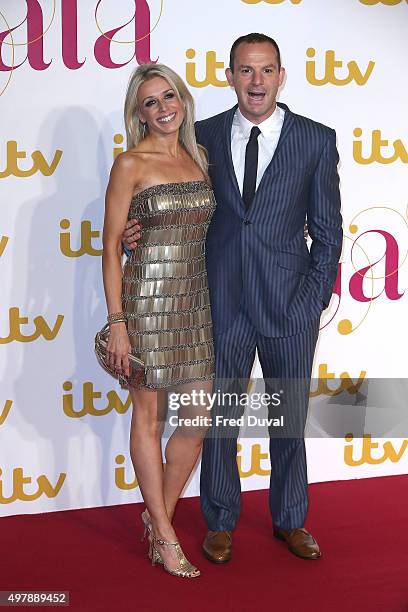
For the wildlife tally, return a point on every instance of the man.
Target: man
(270, 169)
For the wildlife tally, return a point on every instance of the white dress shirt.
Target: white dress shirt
(267, 142)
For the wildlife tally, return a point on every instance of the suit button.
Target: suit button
(247, 222)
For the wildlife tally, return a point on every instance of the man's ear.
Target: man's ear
(230, 77)
(282, 74)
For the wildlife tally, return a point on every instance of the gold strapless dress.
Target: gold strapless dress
(164, 287)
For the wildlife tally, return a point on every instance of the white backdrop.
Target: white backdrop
(63, 422)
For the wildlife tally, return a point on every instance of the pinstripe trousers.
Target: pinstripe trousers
(280, 358)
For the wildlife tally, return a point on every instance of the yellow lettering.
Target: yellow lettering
(42, 165)
(68, 405)
(115, 403)
(86, 247)
(256, 457)
(3, 498)
(331, 64)
(390, 452)
(212, 65)
(359, 77)
(6, 409)
(88, 406)
(41, 328)
(348, 453)
(346, 384)
(386, 2)
(19, 480)
(400, 151)
(39, 162)
(120, 480)
(47, 332)
(242, 474)
(367, 446)
(12, 155)
(358, 149)
(377, 143)
(3, 243)
(89, 395)
(322, 388)
(118, 139)
(46, 486)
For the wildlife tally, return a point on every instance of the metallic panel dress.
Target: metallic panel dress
(164, 285)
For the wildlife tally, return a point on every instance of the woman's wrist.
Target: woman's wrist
(118, 328)
(116, 317)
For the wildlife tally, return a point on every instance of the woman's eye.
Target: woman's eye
(150, 102)
(169, 95)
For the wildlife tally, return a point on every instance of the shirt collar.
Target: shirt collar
(267, 127)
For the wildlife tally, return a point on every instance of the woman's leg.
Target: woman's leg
(145, 451)
(184, 445)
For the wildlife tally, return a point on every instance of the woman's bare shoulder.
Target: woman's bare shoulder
(129, 159)
(132, 163)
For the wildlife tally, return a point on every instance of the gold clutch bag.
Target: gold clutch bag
(137, 368)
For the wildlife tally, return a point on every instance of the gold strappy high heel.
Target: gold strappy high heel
(184, 569)
(154, 555)
(147, 524)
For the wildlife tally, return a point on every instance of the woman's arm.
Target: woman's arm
(117, 201)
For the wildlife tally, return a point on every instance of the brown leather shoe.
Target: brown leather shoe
(217, 546)
(300, 542)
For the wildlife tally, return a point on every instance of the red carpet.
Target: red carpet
(96, 554)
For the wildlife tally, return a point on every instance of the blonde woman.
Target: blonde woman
(158, 305)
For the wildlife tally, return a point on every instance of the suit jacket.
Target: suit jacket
(260, 256)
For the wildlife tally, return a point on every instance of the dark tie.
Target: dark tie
(251, 167)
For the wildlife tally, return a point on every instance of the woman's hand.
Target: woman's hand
(118, 349)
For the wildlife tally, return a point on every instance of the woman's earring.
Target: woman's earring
(144, 129)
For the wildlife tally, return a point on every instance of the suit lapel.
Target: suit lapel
(288, 123)
(227, 150)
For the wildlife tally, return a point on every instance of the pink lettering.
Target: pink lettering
(142, 38)
(390, 258)
(69, 37)
(35, 33)
(70, 34)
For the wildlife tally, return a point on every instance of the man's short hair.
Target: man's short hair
(254, 37)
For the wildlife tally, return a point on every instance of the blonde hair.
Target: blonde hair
(136, 130)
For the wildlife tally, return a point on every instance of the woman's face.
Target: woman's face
(159, 106)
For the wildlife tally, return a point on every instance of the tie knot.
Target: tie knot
(254, 133)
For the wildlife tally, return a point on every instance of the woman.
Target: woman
(159, 306)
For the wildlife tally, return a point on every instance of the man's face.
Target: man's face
(256, 79)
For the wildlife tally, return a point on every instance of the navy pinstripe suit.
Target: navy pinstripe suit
(267, 293)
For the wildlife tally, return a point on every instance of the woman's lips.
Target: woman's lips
(167, 119)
